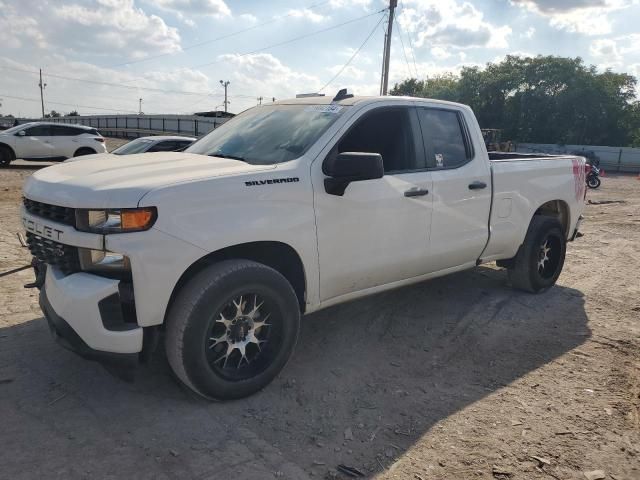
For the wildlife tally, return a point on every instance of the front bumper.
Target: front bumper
(85, 315)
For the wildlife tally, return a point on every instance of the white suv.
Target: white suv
(49, 141)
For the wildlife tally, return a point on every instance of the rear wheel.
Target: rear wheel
(6, 156)
(540, 259)
(84, 151)
(593, 181)
(232, 329)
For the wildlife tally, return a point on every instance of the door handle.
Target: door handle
(416, 192)
(477, 185)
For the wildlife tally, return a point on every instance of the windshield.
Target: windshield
(269, 134)
(17, 128)
(138, 145)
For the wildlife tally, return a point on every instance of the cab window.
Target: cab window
(386, 131)
(444, 137)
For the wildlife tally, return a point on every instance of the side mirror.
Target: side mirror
(348, 167)
(21, 133)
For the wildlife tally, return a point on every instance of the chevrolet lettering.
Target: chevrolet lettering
(41, 229)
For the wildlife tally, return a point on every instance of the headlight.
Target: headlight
(116, 220)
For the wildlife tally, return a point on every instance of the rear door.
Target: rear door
(378, 231)
(67, 139)
(461, 189)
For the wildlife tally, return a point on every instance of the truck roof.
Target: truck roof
(355, 100)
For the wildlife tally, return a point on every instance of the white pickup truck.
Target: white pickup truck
(286, 209)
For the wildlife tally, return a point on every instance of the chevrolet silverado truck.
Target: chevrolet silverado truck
(286, 209)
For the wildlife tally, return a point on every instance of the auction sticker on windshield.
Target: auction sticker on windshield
(323, 108)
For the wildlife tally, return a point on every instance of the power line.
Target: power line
(406, 59)
(217, 39)
(355, 54)
(37, 100)
(295, 39)
(119, 85)
(415, 66)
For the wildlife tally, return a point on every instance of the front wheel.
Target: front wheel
(232, 329)
(6, 156)
(540, 258)
(593, 181)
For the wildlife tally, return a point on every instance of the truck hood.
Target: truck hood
(120, 181)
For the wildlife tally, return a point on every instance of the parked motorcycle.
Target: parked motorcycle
(593, 177)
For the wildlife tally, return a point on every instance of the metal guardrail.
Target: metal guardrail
(615, 159)
(132, 126)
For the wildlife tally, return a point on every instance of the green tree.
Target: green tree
(543, 99)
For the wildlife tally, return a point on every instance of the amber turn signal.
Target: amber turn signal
(138, 219)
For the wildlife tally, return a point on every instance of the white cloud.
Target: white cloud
(350, 3)
(17, 30)
(451, 23)
(589, 17)
(349, 73)
(307, 14)
(214, 8)
(612, 52)
(605, 48)
(440, 53)
(112, 23)
(528, 33)
(264, 74)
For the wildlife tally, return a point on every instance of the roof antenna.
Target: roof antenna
(342, 94)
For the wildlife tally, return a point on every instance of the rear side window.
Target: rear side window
(64, 131)
(445, 138)
(164, 146)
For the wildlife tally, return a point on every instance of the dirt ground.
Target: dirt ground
(455, 378)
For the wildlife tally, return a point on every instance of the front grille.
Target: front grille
(64, 257)
(58, 214)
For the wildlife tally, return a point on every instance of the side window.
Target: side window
(386, 131)
(60, 131)
(165, 146)
(39, 131)
(442, 131)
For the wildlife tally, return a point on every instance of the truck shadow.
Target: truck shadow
(372, 373)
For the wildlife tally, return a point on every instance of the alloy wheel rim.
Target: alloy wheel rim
(548, 257)
(239, 342)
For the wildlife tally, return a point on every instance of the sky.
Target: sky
(102, 56)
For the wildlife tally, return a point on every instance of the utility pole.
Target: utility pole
(139, 106)
(387, 47)
(384, 55)
(42, 86)
(225, 85)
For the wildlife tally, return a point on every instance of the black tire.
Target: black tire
(6, 156)
(593, 181)
(84, 151)
(199, 350)
(527, 272)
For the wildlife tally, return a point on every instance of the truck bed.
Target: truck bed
(506, 156)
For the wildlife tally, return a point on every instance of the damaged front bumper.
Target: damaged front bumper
(87, 315)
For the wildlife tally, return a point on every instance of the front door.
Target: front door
(378, 231)
(36, 143)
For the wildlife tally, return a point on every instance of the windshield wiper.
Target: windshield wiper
(225, 155)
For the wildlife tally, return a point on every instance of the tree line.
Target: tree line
(543, 99)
